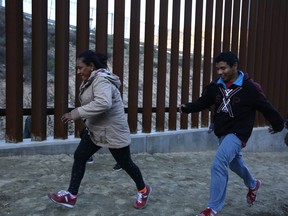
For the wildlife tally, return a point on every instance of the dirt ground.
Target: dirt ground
(180, 183)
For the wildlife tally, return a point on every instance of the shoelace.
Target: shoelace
(252, 194)
(62, 193)
(139, 198)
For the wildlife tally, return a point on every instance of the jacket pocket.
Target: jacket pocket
(99, 135)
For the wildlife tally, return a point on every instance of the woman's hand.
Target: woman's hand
(66, 117)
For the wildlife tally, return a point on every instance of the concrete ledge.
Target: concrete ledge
(156, 142)
(262, 140)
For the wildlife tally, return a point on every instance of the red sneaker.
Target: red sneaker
(207, 212)
(142, 198)
(63, 198)
(251, 195)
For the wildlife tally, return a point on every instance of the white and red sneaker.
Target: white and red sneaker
(142, 198)
(251, 195)
(207, 212)
(63, 198)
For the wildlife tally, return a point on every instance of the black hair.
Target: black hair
(229, 57)
(98, 59)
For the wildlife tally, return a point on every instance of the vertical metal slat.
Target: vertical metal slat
(227, 25)
(101, 26)
(186, 61)
(218, 31)
(39, 70)
(174, 66)
(244, 34)
(235, 27)
(118, 40)
(134, 65)
(61, 67)
(207, 56)
(162, 67)
(82, 44)
(197, 59)
(14, 71)
(148, 66)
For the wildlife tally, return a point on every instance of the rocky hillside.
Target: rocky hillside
(51, 70)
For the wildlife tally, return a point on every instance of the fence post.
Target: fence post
(39, 70)
(14, 71)
(61, 67)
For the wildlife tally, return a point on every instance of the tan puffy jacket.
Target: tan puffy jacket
(102, 110)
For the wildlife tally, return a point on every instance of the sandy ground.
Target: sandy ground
(180, 183)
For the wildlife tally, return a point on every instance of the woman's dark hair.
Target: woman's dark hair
(228, 57)
(98, 59)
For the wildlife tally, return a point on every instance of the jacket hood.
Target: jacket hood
(114, 79)
(246, 76)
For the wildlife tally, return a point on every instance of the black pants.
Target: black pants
(87, 148)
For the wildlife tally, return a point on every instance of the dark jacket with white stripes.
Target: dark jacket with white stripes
(235, 107)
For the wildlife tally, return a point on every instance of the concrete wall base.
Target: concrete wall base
(158, 142)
